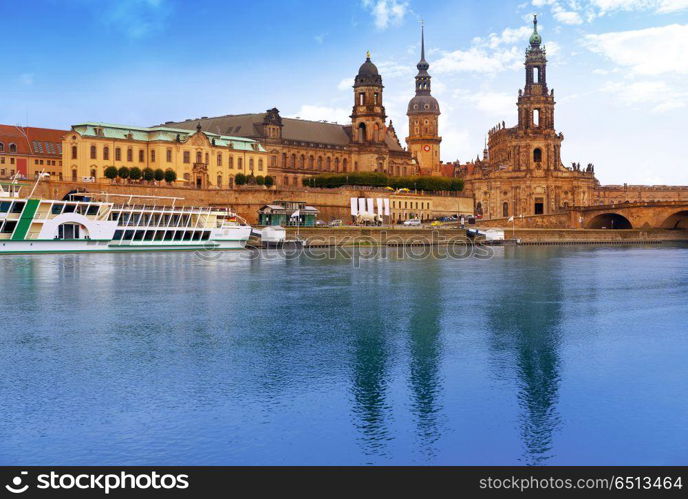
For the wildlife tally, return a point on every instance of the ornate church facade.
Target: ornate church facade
(521, 172)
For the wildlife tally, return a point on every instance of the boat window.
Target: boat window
(178, 235)
(118, 235)
(149, 235)
(5, 206)
(188, 235)
(56, 209)
(114, 216)
(138, 236)
(205, 236)
(169, 235)
(164, 220)
(128, 235)
(9, 226)
(92, 210)
(124, 218)
(18, 207)
(196, 235)
(69, 208)
(159, 235)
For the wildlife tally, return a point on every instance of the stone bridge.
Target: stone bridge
(645, 215)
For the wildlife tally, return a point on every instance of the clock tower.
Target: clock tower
(423, 114)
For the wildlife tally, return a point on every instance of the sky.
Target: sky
(619, 68)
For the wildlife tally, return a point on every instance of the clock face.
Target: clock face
(426, 148)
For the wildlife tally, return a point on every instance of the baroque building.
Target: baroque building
(28, 151)
(200, 159)
(423, 120)
(521, 172)
(299, 148)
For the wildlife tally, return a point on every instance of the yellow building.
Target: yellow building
(200, 159)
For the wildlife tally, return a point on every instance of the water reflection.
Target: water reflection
(425, 347)
(524, 324)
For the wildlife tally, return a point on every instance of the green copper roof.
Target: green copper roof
(163, 134)
(535, 38)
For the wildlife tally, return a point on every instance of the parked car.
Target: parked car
(336, 223)
(320, 223)
(413, 222)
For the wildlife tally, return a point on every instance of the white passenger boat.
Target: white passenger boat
(84, 222)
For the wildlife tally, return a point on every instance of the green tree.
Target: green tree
(260, 180)
(135, 173)
(159, 175)
(123, 172)
(111, 172)
(170, 175)
(269, 181)
(148, 174)
(240, 179)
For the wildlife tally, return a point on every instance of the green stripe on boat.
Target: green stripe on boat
(25, 220)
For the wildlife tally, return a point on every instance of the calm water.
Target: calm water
(537, 356)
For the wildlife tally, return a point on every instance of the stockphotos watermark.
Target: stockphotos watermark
(105, 482)
(434, 244)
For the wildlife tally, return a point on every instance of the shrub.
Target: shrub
(159, 175)
(123, 172)
(269, 181)
(111, 172)
(260, 180)
(170, 175)
(240, 179)
(148, 174)
(376, 179)
(135, 173)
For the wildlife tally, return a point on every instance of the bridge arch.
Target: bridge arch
(609, 221)
(678, 220)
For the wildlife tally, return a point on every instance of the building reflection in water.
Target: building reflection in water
(524, 323)
(425, 349)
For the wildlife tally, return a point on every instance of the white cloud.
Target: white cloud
(320, 113)
(495, 53)
(578, 11)
(135, 18)
(497, 104)
(386, 12)
(651, 51)
(657, 94)
(345, 84)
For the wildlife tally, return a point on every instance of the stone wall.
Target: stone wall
(332, 203)
(616, 194)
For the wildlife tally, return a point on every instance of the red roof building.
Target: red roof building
(28, 151)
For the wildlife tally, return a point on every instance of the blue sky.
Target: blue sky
(619, 68)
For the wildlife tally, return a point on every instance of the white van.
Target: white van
(413, 222)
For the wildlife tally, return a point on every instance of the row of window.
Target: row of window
(161, 235)
(405, 205)
(11, 148)
(186, 156)
(11, 206)
(141, 219)
(310, 162)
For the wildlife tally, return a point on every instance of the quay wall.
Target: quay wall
(247, 200)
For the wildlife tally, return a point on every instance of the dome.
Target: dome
(535, 39)
(368, 74)
(423, 104)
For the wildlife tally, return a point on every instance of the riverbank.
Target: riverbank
(397, 236)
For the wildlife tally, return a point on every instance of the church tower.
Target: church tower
(423, 114)
(536, 102)
(368, 115)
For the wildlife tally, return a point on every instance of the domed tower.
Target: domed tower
(368, 115)
(423, 113)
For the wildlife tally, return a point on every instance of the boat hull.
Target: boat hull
(88, 246)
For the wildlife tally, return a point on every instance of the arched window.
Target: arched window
(187, 157)
(537, 155)
(328, 163)
(106, 153)
(74, 175)
(2, 147)
(536, 117)
(94, 174)
(344, 162)
(219, 181)
(199, 157)
(311, 162)
(284, 159)
(250, 165)
(142, 156)
(361, 99)
(13, 147)
(94, 152)
(130, 154)
(536, 74)
(260, 165)
(240, 163)
(74, 151)
(118, 154)
(320, 163)
(336, 164)
(230, 162)
(302, 161)
(219, 159)
(207, 158)
(505, 209)
(292, 163)
(362, 133)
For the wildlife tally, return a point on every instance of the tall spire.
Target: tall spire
(535, 38)
(422, 64)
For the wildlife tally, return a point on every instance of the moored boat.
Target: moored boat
(86, 222)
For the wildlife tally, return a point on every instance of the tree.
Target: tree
(135, 173)
(123, 172)
(240, 179)
(159, 175)
(170, 175)
(111, 172)
(269, 181)
(148, 174)
(260, 180)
